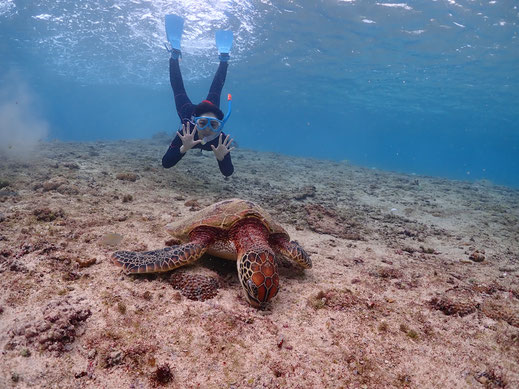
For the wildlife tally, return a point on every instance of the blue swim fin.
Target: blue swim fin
(224, 40)
(174, 28)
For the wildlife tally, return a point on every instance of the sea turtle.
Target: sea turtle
(233, 229)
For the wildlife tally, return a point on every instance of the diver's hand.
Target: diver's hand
(188, 138)
(223, 147)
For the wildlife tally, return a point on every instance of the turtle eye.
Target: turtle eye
(253, 289)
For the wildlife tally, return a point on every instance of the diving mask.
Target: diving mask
(213, 124)
(202, 122)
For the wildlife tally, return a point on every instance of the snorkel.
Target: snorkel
(229, 109)
(215, 134)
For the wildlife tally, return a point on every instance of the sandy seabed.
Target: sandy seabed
(415, 280)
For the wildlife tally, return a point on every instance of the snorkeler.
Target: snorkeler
(202, 124)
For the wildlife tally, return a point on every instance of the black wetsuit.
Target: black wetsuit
(185, 109)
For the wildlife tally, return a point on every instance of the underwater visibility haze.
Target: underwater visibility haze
(364, 235)
(425, 87)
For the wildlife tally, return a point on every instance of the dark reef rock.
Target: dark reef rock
(195, 286)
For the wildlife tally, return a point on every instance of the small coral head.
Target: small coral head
(258, 275)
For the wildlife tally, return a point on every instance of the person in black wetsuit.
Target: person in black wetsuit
(196, 119)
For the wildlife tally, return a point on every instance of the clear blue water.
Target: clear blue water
(426, 87)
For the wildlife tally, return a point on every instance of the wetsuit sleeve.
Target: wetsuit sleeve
(226, 166)
(173, 155)
(182, 102)
(217, 85)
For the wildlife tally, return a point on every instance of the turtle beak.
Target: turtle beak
(254, 303)
(251, 293)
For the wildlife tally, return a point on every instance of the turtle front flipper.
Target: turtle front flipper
(292, 251)
(159, 260)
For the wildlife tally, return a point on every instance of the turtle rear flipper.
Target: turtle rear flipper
(165, 259)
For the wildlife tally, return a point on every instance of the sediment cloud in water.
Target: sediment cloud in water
(21, 128)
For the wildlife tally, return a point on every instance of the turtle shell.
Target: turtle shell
(224, 215)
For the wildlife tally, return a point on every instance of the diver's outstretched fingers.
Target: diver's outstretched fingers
(227, 142)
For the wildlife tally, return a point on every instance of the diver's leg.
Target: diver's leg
(182, 102)
(216, 87)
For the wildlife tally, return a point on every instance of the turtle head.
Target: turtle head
(258, 275)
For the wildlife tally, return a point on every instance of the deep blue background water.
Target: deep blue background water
(429, 87)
